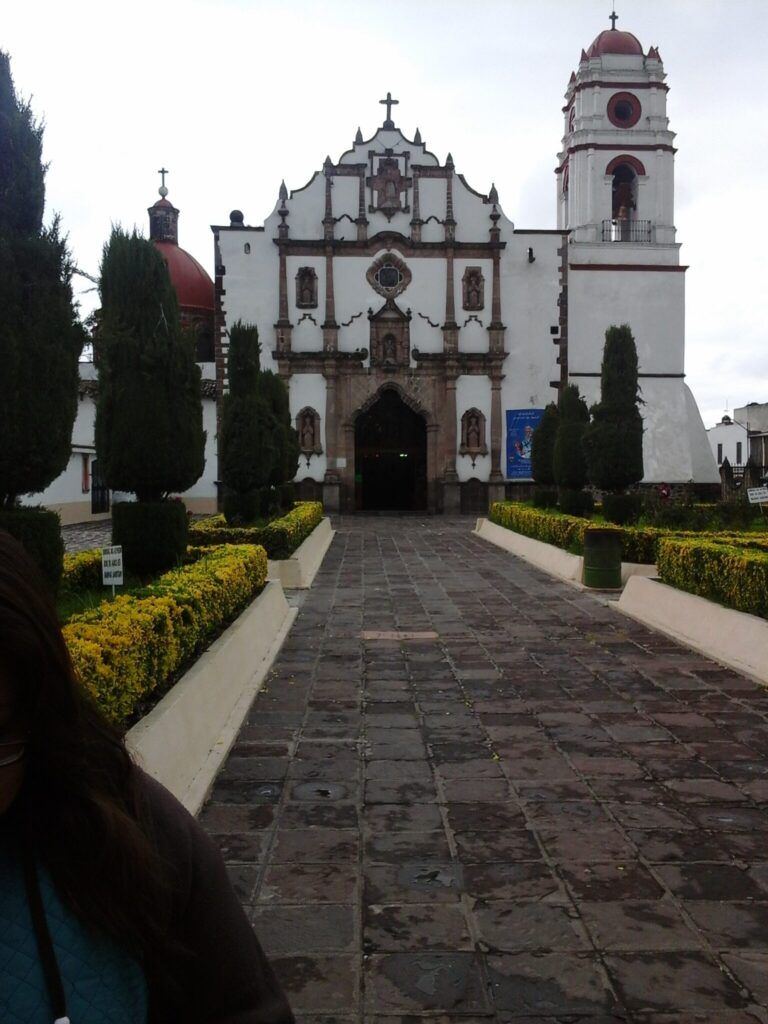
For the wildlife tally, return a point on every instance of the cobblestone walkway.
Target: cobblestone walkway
(472, 792)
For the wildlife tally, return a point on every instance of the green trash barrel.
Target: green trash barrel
(602, 558)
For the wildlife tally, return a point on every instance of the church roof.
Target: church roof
(612, 40)
(194, 288)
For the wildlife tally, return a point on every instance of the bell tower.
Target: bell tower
(616, 170)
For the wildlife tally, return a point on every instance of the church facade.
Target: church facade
(421, 333)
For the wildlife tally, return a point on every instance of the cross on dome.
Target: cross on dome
(389, 103)
(163, 190)
(613, 18)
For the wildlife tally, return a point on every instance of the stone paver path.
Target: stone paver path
(531, 809)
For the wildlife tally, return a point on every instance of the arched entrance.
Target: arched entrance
(390, 456)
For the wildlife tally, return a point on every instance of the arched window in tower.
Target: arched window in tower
(566, 178)
(572, 119)
(624, 198)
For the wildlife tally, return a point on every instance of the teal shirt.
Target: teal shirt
(102, 984)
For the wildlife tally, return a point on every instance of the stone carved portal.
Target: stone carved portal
(390, 456)
(390, 336)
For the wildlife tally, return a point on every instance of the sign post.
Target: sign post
(758, 496)
(112, 567)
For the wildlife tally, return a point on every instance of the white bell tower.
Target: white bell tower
(616, 169)
(615, 201)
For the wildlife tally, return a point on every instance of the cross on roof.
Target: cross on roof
(613, 18)
(163, 190)
(389, 102)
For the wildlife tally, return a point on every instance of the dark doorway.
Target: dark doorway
(99, 491)
(390, 457)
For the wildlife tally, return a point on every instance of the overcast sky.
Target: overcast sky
(234, 95)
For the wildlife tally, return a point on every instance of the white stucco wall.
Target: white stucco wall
(727, 436)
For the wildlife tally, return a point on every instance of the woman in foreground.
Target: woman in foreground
(114, 904)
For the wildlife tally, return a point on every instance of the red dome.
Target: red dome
(194, 288)
(611, 40)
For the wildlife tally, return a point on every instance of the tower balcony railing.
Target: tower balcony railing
(639, 232)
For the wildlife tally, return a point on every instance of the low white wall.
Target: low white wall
(544, 556)
(732, 638)
(184, 740)
(299, 571)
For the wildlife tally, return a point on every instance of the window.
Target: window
(719, 454)
(738, 453)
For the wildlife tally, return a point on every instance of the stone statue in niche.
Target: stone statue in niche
(308, 429)
(389, 184)
(473, 286)
(389, 353)
(306, 288)
(473, 435)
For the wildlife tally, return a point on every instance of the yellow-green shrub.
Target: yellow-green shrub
(733, 575)
(82, 571)
(280, 538)
(127, 648)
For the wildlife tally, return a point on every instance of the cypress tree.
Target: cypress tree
(570, 470)
(149, 418)
(543, 447)
(613, 441)
(287, 440)
(248, 448)
(40, 335)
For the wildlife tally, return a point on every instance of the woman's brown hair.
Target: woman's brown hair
(81, 795)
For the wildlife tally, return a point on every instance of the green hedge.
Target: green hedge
(731, 574)
(280, 538)
(127, 649)
(39, 531)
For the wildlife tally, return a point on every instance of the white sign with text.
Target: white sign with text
(757, 495)
(112, 566)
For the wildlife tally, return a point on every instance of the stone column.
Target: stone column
(496, 485)
(330, 327)
(331, 488)
(283, 327)
(451, 496)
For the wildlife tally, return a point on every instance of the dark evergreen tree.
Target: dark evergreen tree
(613, 441)
(40, 335)
(286, 461)
(543, 447)
(248, 448)
(149, 418)
(568, 463)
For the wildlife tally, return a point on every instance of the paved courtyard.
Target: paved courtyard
(470, 792)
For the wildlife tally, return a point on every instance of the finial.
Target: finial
(417, 137)
(358, 136)
(163, 190)
(389, 103)
(283, 193)
(583, 58)
(493, 195)
(327, 163)
(613, 18)
(449, 161)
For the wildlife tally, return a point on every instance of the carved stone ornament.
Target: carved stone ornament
(473, 288)
(308, 429)
(390, 337)
(473, 435)
(389, 275)
(306, 288)
(388, 185)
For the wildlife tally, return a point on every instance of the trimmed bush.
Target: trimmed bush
(543, 447)
(39, 530)
(570, 469)
(129, 649)
(82, 571)
(545, 497)
(153, 534)
(576, 503)
(280, 538)
(622, 508)
(735, 576)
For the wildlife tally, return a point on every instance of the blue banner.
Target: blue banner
(521, 424)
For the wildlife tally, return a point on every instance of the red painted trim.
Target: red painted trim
(634, 103)
(626, 266)
(633, 162)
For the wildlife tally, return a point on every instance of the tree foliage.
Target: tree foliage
(247, 445)
(613, 442)
(570, 470)
(286, 439)
(149, 418)
(40, 335)
(543, 447)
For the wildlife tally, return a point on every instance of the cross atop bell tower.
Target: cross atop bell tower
(389, 103)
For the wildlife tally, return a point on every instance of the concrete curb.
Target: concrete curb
(299, 571)
(183, 741)
(549, 558)
(553, 560)
(735, 639)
